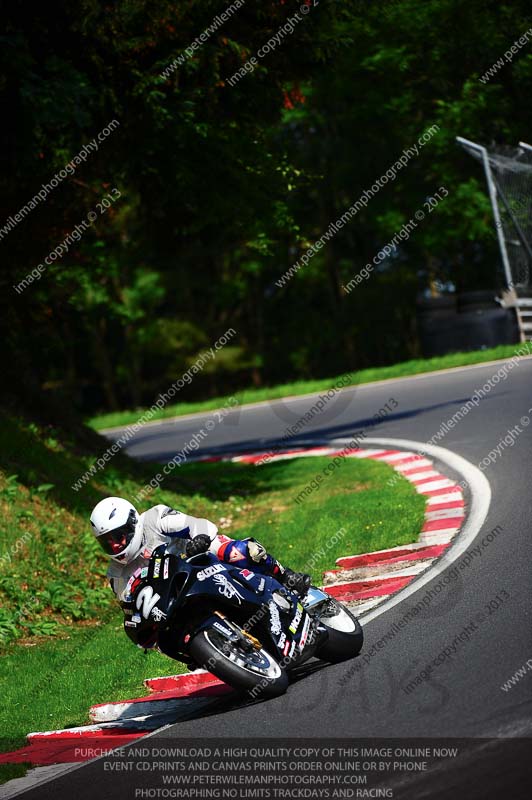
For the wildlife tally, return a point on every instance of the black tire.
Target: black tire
(341, 645)
(204, 651)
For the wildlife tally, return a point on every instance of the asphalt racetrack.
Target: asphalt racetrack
(462, 697)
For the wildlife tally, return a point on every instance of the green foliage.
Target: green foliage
(60, 629)
(223, 187)
(59, 680)
(53, 571)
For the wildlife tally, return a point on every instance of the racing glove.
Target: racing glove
(252, 554)
(298, 582)
(199, 544)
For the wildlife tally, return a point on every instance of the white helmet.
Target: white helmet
(115, 523)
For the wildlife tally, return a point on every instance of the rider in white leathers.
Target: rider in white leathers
(130, 539)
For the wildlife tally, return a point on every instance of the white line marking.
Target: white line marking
(414, 465)
(438, 537)
(433, 486)
(413, 569)
(444, 513)
(364, 453)
(480, 490)
(420, 477)
(390, 458)
(150, 710)
(360, 607)
(452, 497)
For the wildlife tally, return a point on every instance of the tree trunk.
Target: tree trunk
(103, 364)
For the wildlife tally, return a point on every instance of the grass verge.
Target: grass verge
(59, 679)
(402, 370)
(60, 632)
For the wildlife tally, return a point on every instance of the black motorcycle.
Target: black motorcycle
(245, 628)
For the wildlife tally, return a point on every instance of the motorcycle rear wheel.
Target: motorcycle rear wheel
(248, 669)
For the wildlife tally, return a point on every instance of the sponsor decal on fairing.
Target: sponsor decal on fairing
(132, 584)
(304, 634)
(157, 614)
(247, 574)
(275, 619)
(227, 589)
(296, 620)
(209, 571)
(132, 579)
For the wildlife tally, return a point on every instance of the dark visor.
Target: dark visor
(115, 542)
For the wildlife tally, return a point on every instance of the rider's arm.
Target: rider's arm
(141, 631)
(118, 579)
(176, 524)
(250, 554)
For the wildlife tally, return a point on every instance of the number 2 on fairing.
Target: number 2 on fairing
(147, 600)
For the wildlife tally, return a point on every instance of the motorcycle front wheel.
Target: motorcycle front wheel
(242, 666)
(345, 635)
